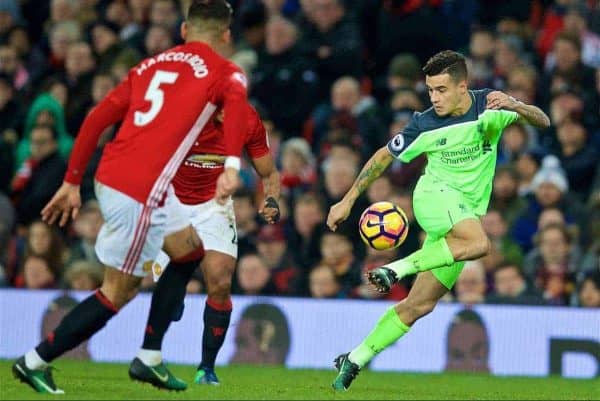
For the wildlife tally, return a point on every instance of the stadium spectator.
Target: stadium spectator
(515, 141)
(380, 190)
(552, 265)
(37, 273)
(39, 176)
(404, 72)
(244, 207)
(511, 287)
(45, 110)
(61, 35)
(283, 73)
(12, 65)
(507, 55)
(120, 13)
(158, 39)
(254, 276)
(105, 41)
(336, 252)
(323, 283)
(346, 98)
(297, 167)
(78, 75)
(83, 275)
(86, 226)
(502, 247)
(589, 291)
(471, 284)
(332, 38)
(505, 196)
(272, 247)
(308, 213)
(579, 160)
(481, 56)
(527, 165)
(7, 221)
(575, 22)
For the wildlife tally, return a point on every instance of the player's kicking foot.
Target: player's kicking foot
(206, 376)
(159, 376)
(347, 372)
(382, 278)
(39, 379)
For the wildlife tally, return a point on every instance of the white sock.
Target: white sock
(150, 357)
(402, 268)
(33, 360)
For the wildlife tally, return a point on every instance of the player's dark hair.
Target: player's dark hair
(447, 62)
(209, 14)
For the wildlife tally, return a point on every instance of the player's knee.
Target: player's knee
(118, 297)
(219, 287)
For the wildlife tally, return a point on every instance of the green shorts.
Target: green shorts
(438, 208)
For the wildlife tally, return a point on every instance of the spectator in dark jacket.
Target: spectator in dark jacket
(333, 39)
(510, 287)
(283, 74)
(40, 176)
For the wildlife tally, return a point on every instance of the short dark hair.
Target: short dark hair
(210, 14)
(447, 62)
(505, 264)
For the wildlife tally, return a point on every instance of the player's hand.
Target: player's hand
(64, 204)
(497, 100)
(338, 213)
(227, 183)
(270, 210)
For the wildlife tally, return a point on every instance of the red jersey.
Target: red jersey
(164, 104)
(196, 179)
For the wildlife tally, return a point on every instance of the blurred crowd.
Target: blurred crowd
(332, 80)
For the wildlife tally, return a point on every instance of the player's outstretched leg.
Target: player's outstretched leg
(465, 241)
(81, 323)
(394, 323)
(218, 269)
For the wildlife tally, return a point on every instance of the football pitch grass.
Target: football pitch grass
(87, 380)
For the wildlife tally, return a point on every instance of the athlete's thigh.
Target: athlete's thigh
(438, 207)
(215, 224)
(131, 235)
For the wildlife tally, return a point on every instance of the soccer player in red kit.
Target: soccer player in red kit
(164, 103)
(195, 185)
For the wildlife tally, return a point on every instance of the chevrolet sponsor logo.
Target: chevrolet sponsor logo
(205, 161)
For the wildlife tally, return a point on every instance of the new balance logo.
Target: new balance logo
(487, 146)
(440, 142)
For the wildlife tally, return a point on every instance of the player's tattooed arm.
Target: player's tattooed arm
(376, 165)
(532, 115)
(527, 113)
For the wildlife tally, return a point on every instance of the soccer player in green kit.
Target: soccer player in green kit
(459, 135)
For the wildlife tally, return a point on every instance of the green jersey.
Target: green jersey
(461, 150)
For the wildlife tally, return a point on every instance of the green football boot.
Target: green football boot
(347, 372)
(39, 379)
(159, 376)
(206, 376)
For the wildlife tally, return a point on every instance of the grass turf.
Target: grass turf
(87, 380)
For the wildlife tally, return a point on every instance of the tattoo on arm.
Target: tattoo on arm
(534, 116)
(373, 169)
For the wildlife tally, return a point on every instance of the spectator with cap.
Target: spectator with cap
(272, 247)
(511, 287)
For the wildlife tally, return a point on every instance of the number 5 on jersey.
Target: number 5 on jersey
(155, 96)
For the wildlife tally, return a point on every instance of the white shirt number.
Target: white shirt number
(155, 96)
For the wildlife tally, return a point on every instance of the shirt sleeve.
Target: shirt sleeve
(257, 144)
(402, 146)
(496, 120)
(235, 107)
(109, 111)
